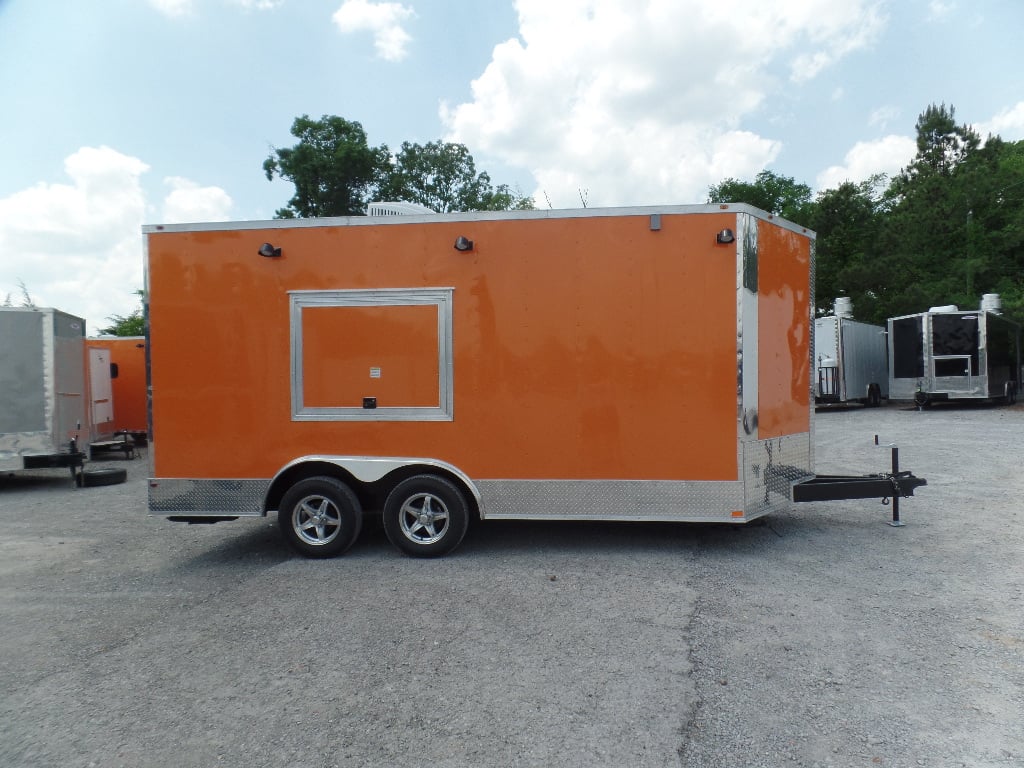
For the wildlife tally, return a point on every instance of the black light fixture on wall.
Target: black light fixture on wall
(269, 251)
(463, 244)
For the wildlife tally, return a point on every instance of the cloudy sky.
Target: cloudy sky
(120, 113)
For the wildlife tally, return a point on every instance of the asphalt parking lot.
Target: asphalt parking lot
(820, 637)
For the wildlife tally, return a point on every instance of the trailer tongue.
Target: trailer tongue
(887, 486)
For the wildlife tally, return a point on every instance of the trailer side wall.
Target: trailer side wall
(583, 348)
(605, 364)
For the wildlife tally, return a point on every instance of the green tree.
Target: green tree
(992, 183)
(947, 229)
(770, 192)
(332, 166)
(924, 244)
(26, 297)
(846, 221)
(942, 145)
(504, 198)
(336, 173)
(133, 324)
(443, 177)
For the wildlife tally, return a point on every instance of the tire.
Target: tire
(320, 517)
(91, 478)
(426, 516)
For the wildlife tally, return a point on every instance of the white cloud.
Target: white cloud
(384, 20)
(179, 8)
(887, 155)
(188, 202)
(78, 247)
(258, 5)
(882, 116)
(829, 30)
(940, 10)
(645, 103)
(1008, 124)
(173, 8)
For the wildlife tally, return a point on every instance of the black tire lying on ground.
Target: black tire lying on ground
(90, 478)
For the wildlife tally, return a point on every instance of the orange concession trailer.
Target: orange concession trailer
(594, 364)
(126, 357)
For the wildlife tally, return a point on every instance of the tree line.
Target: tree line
(336, 172)
(945, 230)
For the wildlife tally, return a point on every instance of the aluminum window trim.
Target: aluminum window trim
(375, 297)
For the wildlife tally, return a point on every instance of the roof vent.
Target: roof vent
(844, 307)
(396, 209)
(990, 302)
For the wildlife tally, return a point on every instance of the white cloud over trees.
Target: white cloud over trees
(646, 103)
(888, 155)
(77, 245)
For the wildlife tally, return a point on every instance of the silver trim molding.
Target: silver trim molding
(380, 297)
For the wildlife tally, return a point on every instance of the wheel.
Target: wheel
(90, 478)
(320, 517)
(426, 516)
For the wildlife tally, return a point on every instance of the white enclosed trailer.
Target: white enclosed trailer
(44, 406)
(851, 359)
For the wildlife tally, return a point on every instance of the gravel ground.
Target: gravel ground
(820, 637)
(833, 640)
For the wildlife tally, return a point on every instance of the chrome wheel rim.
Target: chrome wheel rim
(424, 518)
(316, 520)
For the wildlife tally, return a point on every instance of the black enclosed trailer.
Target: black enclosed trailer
(951, 354)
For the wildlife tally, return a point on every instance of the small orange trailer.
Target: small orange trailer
(127, 358)
(598, 364)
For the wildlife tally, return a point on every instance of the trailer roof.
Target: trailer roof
(974, 312)
(566, 213)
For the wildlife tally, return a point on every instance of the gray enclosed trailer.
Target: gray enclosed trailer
(44, 407)
(850, 359)
(951, 354)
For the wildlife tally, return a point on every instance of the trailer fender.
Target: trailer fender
(366, 471)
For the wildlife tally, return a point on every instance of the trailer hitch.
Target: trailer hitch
(900, 480)
(893, 485)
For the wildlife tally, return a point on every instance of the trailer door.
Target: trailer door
(101, 395)
(954, 351)
(826, 353)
